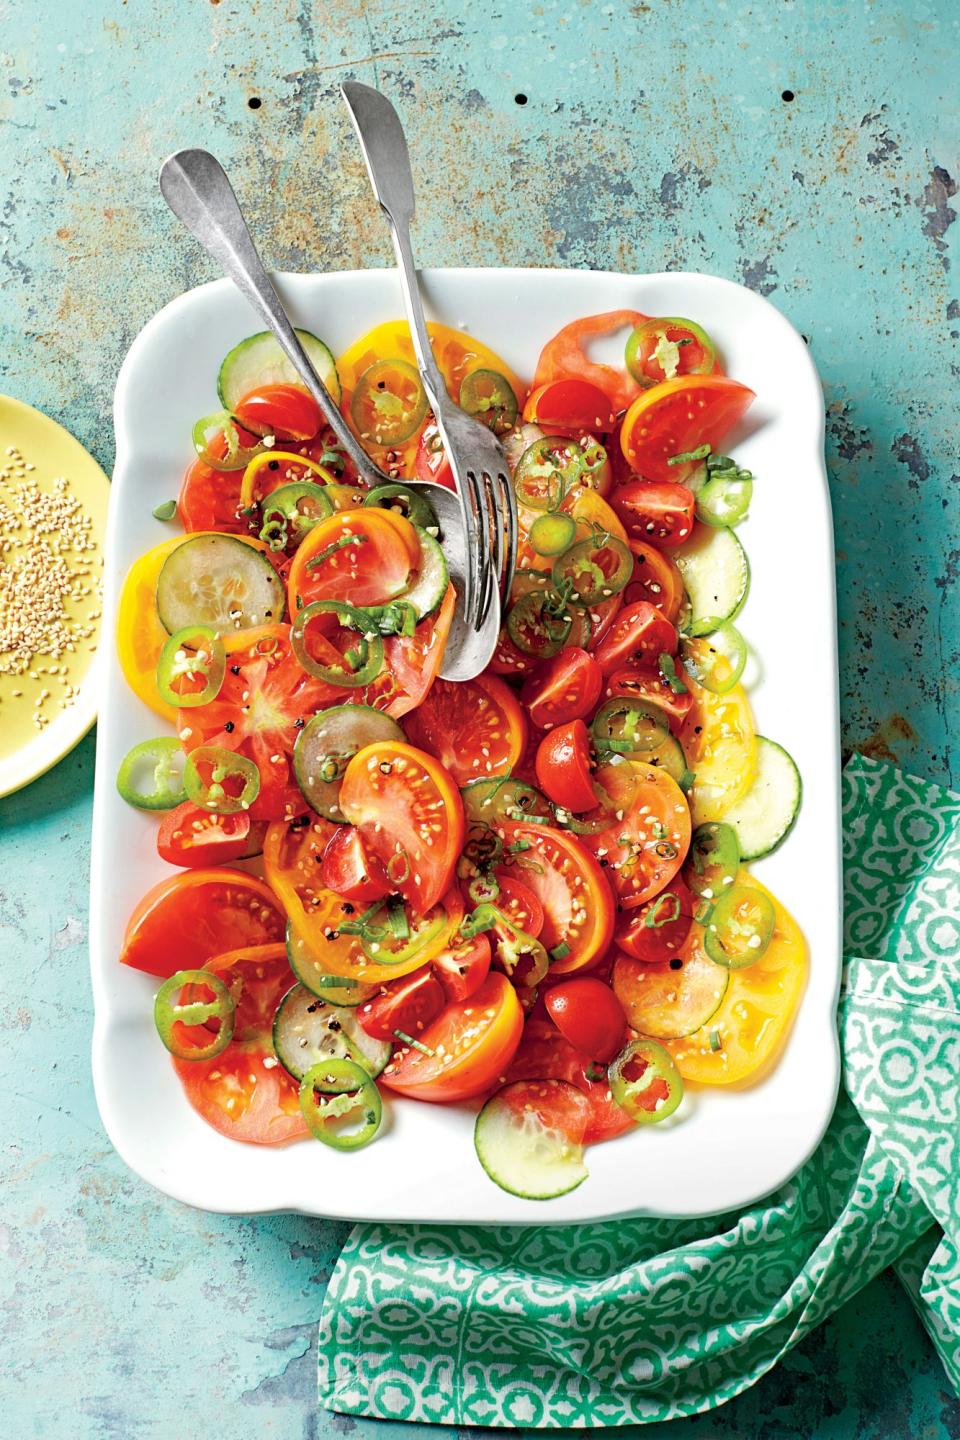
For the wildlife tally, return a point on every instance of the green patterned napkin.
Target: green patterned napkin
(623, 1322)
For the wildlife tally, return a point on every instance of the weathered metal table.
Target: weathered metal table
(806, 149)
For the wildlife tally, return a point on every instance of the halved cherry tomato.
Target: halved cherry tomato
(570, 407)
(406, 1005)
(644, 682)
(263, 695)
(563, 766)
(476, 728)
(655, 578)
(188, 919)
(463, 969)
(519, 902)
(678, 416)
(409, 812)
(243, 1092)
(431, 461)
(509, 659)
(578, 907)
(287, 411)
(351, 869)
(589, 1015)
(657, 930)
(469, 1047)
(564, 357)
(544, 1054)
(659, 512)
(364, 557)
(190, 836)
(644, 848)
(639, 633)
(562, 689)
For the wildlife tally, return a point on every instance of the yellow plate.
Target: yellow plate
(68, 709)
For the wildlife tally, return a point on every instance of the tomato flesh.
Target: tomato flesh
(463, 969)
(570, 407)
(351, 869)
(545, 1054)
(678, 416)
(660, 512)
(578, 909)
(190, 836)
(286, 411)
(589, 1015)
(473, 1042)
(432, 462)
(644, 848)
(657, 930)
(476, 728)
(562, 689)
(363, 557)
(639, 633)
(406, 1005)
(563, 766)
(185, 921)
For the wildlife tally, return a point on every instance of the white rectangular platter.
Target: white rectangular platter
(725, 1148)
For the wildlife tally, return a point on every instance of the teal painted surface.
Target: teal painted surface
(654, 136)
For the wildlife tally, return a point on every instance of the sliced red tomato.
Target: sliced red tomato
(210, 500)
(563, 766)
(476, 728)
(405, 1006)
(520, 903)
(570, 407)
(644, 682)
(263, 696)
(564, 357)
(411, 663)
(562, 689)
(577, 904)
(588, 1015)
(287, 411)
(409, 813)
(190, 836)
(463, 969)
(188, 919)
(677, 417)
(351, 869)
(657, 930)
(648, 836)
(544, 1054)
(244, 1092)
(431, 462)
(509, 659)
(659, 512)
(363, 557)
(639, 633)
(469, 1047)
(655, 578)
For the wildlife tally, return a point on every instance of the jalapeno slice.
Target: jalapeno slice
(151, 775)
(519, 955)
(335, 1093)
(504, 797)
(662, 348)
(713, 860)
(547, 471)
(360, 664)
(594, 569)
(220, 780)
(645, 1082)
(551, 534)
(488, 396)
(191, 668)
(235, 456)
(388, 934)
(716, 661)
(290, 513)
(172, 1015)
(739, 927)
(389, 403)
(629, 727)
(724, 497)
(405, 501)
(539, 624)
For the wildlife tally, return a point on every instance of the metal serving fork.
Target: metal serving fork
(195, 186)
(476, 457)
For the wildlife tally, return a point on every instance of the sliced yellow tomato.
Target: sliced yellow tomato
(756, 1011)
(719, 741)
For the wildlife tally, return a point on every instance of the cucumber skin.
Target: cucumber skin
(753, 854)
(429, 545)
(695, 631)
(331, 379)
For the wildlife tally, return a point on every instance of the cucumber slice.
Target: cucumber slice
(258, 360)
(327, 742)
(716, 577)
(522, 1154)
(765, 815)
(432, 580)
(668, 1002)
(220, 581)
(310, 972)
(307, 1030)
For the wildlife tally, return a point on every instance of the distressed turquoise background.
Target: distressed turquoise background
(653, 135)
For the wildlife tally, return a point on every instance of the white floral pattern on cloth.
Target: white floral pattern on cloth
(642, 1320)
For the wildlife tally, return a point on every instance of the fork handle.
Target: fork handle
(387, 158)
(195, 186)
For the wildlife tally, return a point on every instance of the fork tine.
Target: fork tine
(494, 549)
(476, 566)
(509, 511)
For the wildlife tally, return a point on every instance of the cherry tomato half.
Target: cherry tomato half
(190, 836)
(407, 1005)
(468, 1047)
(657, 511)
(657, 930)
(431, 462)
(639, 633)
(589, 1015)
(563, 766)
(578, 908)
(351, 869)
(563, 689)
(287, 411)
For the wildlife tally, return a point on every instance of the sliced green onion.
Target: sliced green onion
(164, 511)
(668, 669)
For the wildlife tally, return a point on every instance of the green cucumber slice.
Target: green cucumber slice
(767, 812)
(327, 742)
(433, 577)
(310, 972)
(716, 577)
(220, 581)
(666, 1002)
(258, 360)
(307, 1030)
(522, 1154)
